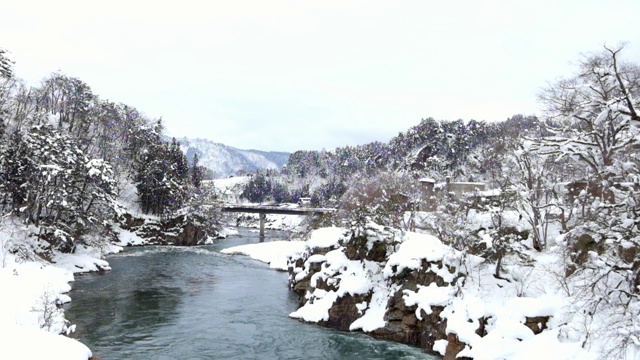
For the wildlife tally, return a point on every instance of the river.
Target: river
(195, 303)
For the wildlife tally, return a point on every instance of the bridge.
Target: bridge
(263, 210)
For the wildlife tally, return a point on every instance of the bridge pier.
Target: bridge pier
(263, 217)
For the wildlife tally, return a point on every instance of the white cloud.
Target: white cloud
(284, 75)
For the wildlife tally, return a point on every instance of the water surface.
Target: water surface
(195, 303)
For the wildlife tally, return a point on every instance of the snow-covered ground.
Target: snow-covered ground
(531, 292)
(274, 253)
(32, 294)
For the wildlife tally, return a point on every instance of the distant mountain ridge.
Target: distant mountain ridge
(226, 160)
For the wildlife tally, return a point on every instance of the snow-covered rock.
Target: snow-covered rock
(423, 292)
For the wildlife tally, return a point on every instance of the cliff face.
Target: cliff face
(404, 287)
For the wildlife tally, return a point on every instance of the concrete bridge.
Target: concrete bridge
(263, 210)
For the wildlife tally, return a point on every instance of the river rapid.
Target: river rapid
(195, 303)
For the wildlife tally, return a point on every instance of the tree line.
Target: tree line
(67, 154)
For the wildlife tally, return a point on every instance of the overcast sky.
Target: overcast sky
(289, 75)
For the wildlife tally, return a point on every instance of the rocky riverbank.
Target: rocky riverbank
(411, 288)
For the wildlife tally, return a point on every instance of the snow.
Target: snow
(85, 259)
(128, 198)
(34, 286)
(350, 277)
(440, 346)
(274, 253)
(226, 161)
(490, 193)
(413, 249)
(25, 342)
(229, 183)
(373, 318)
(29, 314)
(505, 305)
(227, 231)
(427, 296)
(542, 346)
(31, 317)
(272, 221)
(318, 310)
(128, 238)
(326, 237)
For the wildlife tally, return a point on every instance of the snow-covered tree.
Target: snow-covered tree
(48, 180)
(160, 180)
(257, 189)
(592, 115)
(593, 118)
(533, 184)
(5, 64)
(384, 199)
(70, 100)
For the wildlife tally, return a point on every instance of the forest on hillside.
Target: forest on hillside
(568, 180)
(68, 156)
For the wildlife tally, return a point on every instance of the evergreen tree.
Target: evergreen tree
(257, 189)
(162, 178)
(197, 172)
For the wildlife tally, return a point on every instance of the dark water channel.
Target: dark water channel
(195, 303)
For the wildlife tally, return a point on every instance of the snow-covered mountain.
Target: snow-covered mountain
(225, 160)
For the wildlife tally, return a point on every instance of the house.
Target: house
(453, 190)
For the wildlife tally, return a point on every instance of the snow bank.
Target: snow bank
(274, 253)
(326, 237)
(229, 189)
(350, 277)
(30, 313)
(32, 293)
(227, 231)
(479, 301)
(25, 342)
(272, 221)
(414, 248)
(85, 259)
(229, 183)
(374, 311)
(129, 238)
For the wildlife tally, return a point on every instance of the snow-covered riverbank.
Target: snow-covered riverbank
(33, 292)
(504, 306)
(32, 321)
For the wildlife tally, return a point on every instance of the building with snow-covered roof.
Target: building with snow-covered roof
(432, 191)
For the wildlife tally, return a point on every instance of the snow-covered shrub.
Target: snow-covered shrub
(383, 199)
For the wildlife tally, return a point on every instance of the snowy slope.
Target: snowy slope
(225, 160)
